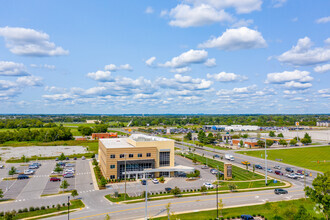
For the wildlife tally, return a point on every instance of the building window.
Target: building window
(164, 159)
(112, 166)
(139, 155)
(112, 156)
(131, 155)
(148, 154)
(112, 177)
(122, 155)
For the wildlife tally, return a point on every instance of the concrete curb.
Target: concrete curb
(53, 213)
(96, 187)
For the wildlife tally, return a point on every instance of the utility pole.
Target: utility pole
(305, 181)
(125, 177)
(266, 159)
(217, 193)
(146, 201)
(68, 207)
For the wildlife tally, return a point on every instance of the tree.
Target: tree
(304, 141)
(220, 205)
(58, 169)
(188, 136)
(107, 217)
(283, 142)
(280, 135)
(232, 187)
(12, 171)
(293, 142)
(254, 168)
(261, 143)
(23, 158)
(272, 134)
(176, 191)
(241, 143)
(245, 136)
(320, 194)
(64, 185)
(103, 181)
(1, 193)
(203, 189)
(62, 157)
(85, 130)
(269, 143)
(74, 193)
(309, 138)
(201, 136)
(302, 214)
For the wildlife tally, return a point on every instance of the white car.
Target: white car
(55, 172)
(269, 170)
(155, 181)
(208, 185)
(69, 165)
(68, 171)
(277, 167)
(28, 172)
(292, 176)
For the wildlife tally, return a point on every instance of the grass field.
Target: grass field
(303, 157)
(268, 210)
(239, 174)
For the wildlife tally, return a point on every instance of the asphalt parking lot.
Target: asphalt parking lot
(38, 184)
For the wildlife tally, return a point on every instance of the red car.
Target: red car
(278, 172)
(54, 179)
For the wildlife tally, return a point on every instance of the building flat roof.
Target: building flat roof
(115, 143)
(144, 138)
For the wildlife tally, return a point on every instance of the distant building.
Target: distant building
(81, 139)
(231, 128)
(96, 136)
(323, 123)
(247, 142)
(92, 121)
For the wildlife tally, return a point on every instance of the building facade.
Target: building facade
(323, 123)
(97, 136)
(142, 156)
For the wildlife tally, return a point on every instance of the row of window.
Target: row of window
(113, 156)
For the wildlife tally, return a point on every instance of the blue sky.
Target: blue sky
(189, 56)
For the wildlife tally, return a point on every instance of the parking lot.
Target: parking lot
(39, 183)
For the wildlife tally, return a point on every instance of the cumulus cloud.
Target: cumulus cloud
(297, 85)
(181, 70)
(8, 68)
(150, 61)
(149, 10)
(278, 3)
(211, 62)
(323, 20)
(113, 67)
(322, 69)
(192, 16)
(45, 66)
(180, 82)
(226, 77)
(303, 54)
(287, 76)
(324, 93)
(236, 39)
(186, 58)
(242, 23)
(29, 42)
(102, 76)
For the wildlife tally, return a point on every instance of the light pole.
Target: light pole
(146, 200)
(125, 176)
(217, 192)
(266, 159)
(68, 207)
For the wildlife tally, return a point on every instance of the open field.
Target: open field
(267, 210)
(307, 157)
(239, 174)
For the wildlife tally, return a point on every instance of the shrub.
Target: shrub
(63, 204)
(53, 206)
(48, 207)
(254, 215)
(20, 211)
(42, 207)
(58, 206)
(25, 210)
(31, 209)
(2, 214)
(36, 208)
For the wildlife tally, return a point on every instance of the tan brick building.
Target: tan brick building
(145, 156)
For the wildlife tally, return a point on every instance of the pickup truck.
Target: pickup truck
(246, 162)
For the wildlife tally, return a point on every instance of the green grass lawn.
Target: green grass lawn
(303, 157)
(268, 210)
(239, 174)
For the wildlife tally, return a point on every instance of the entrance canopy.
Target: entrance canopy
(178, 168)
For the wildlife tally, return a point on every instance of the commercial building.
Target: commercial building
(139, 156)
(247, 142)
(96, 136)
(231, 127)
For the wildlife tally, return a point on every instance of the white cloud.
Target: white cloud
(29, 42)
(324, 93)
(211, 62)
(46, 66)
(186, 58)
(150, 61)
(323, 20)
(242, 23)
(180, 82)
(192, 16)
(226, 77)
(297, 85)
(322, 69)
(236, 39)
(241, 6)
(302, 54)
(287, 76)
(58, 97)
(100, 75)
(181, 70)
(278, 3)
(8, 68)
(113, 67)
(149, 10)
(29, 81)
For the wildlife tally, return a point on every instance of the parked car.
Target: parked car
(246, 162)
(155, 181)
(75, 158)
(67, 158)
(278, 172)
(280, 191)
(269, 170)
(22, 176)
(69, 165)
(216, 156)
(168, 189)
(68, 175)
(208, 185)
(68, 172)
(2, 166)
(28, 172)
(213, 171)
(292, 176)
(300, 175)
(144, 182)
(246, 217)
(288, 169)
(37, 164)
(300, 171)
(54, 179)
(204, 167)
(33, 167)
(56, 159)
(61, 163)
(258, 166)
(18, 171)
(55, 172)
(277, 167)
(83, 157)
